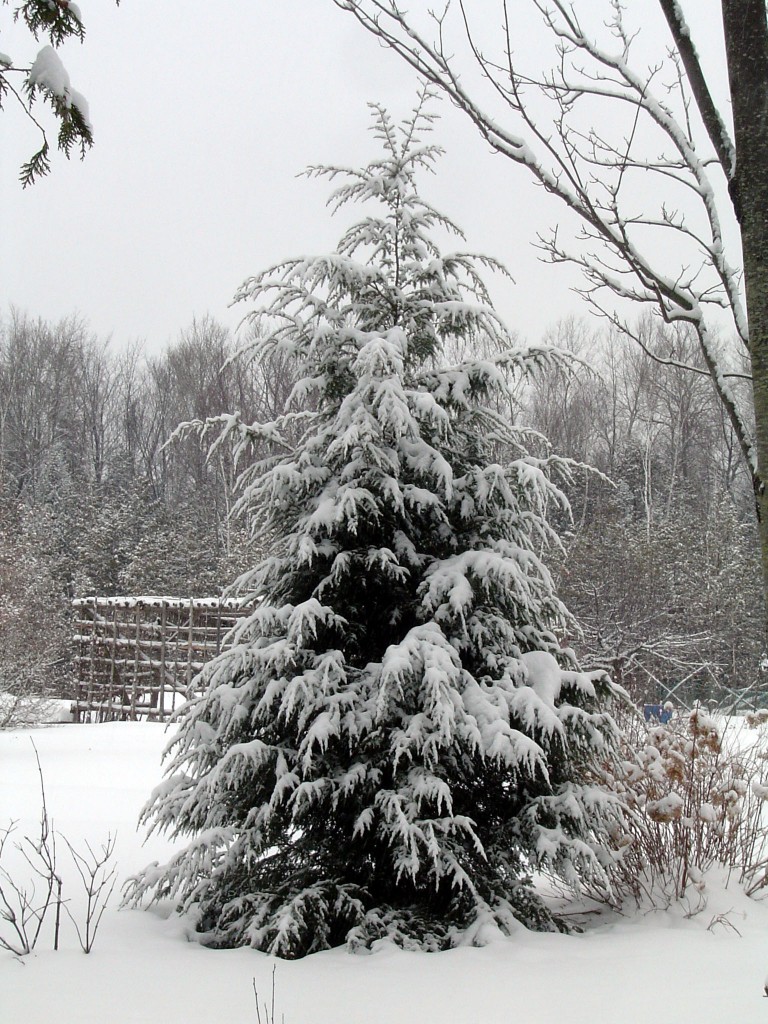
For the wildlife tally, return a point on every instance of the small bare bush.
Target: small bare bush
(98, 879)
(696, 791)
(25, 904)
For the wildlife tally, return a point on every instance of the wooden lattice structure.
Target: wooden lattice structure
(138, 656)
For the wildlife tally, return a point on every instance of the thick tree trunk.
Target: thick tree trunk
(746, 42)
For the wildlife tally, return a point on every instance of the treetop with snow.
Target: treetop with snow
(397, 739)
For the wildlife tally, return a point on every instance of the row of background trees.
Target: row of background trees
(665, 556)
(659, 567)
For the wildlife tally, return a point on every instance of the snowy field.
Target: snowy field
(661, 968)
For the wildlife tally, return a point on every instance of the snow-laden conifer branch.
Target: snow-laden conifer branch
(46, 77)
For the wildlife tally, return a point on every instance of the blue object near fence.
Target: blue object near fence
(658, 712)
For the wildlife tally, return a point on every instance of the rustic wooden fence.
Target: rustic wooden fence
(137, 656)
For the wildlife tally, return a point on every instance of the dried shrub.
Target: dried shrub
(25, 902)
(695, 790)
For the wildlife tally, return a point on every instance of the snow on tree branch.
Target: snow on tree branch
(46, 76)
(544, 121)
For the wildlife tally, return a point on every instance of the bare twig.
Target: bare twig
(269, 1012)
(98, 883)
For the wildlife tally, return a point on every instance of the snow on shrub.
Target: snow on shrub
(696, 789)
(396, 741)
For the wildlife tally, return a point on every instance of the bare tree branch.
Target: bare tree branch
(718, 133)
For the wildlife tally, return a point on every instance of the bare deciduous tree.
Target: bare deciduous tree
(658, 190)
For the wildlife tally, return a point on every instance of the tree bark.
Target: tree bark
(745, 28)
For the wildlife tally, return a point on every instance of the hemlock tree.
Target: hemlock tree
(397, 741)
(668, 202)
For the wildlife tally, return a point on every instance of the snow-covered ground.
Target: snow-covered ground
(661, 968)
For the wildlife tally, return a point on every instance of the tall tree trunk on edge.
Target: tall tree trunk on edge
(746, 42)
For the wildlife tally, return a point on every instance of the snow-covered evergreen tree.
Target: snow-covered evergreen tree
(397, 740)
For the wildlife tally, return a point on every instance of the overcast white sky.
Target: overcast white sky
(204, 113)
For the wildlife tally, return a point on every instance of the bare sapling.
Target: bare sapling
(98, 879)
(24, 906)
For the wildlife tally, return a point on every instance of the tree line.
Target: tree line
(659, 565)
